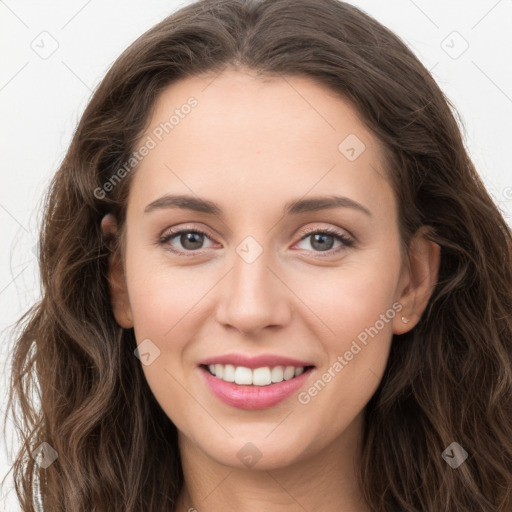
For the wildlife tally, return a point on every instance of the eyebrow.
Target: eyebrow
(293, 207)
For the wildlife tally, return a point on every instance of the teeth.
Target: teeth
(219, 371)
(258, 377)
(243, 375)
(289, 373)
(229, 373)
(261, 376)
(277, 374)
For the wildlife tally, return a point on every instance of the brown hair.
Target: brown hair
(448, 379)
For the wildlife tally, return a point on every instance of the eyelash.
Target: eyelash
(345, 241)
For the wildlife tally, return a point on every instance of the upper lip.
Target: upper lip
(255, 361)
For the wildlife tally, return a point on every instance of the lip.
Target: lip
(253, 397)
(255, 361)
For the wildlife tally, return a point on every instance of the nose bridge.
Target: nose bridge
(253, 296)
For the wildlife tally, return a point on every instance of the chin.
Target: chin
(256, 455)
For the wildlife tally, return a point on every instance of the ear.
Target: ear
(117, 282)
(417, 280)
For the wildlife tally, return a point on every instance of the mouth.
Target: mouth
(261, 387)
(258, 377)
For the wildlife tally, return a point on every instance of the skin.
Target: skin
(251, 145)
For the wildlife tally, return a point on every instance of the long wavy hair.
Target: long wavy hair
(447, 380)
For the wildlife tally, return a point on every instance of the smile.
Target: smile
(257, 388)
(263, 376)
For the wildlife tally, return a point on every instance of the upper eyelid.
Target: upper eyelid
(172, 232)
(306, 232)
(335, 230)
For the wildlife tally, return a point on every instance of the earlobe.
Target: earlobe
(421, 274)
(117, 284)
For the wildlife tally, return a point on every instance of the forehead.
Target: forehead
(242, 137)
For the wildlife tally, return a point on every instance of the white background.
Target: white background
(42, 99)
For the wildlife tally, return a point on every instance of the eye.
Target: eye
(322, 240)
(191, 240)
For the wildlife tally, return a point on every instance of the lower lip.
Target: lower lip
(253, 397)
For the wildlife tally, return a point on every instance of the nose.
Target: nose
(254, 297)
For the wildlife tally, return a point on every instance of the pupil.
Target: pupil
(188, 238)
(318, 237)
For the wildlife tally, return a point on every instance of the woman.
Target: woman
(338, 334)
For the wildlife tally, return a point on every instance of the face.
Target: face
(285, 253)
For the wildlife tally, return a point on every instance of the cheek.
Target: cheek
(162, 300)
(350, 298)
(355, 305)
(163, 297)
(342, 300)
